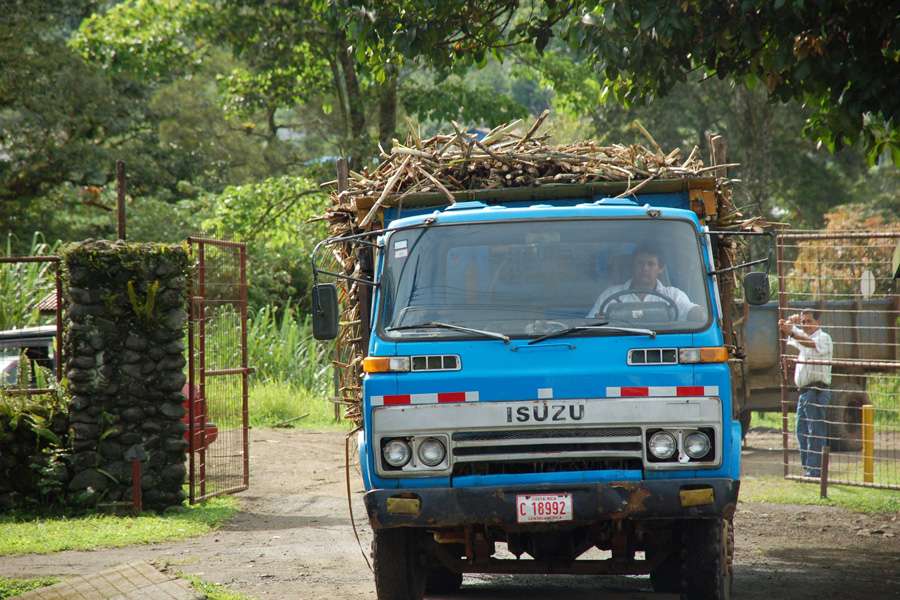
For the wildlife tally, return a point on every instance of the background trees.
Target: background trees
(229, 112)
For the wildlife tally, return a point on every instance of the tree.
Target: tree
(291, 56)
(782, 175)
(838, 58)
(271, 216)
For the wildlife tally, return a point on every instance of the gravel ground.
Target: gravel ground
(293, 540)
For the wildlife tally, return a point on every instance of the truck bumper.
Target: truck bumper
(636, 500)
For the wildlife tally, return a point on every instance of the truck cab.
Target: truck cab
(550, 375)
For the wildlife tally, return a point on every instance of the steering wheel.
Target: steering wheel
(671, 307)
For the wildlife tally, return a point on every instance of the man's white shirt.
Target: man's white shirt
(679, 298)
(805, 374)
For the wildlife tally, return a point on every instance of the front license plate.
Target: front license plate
(543, 508)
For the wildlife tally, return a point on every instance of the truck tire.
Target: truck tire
(442, 580)
(399, 564)
(707, 559)
(666, 578)
(745, 416)
(845, 420)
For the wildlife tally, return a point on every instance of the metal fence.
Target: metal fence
(846, 428)
(219, 459)
(31, 353)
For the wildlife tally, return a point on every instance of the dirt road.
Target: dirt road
(293, 540)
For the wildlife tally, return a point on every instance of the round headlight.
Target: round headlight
(432, 452)
(662, 445)
(696, 445)
(396, 453)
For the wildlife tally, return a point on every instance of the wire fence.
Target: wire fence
(839, 309)
(218, 370)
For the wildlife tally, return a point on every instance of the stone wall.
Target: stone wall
(125, 369)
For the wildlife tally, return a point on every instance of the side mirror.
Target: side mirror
(756, 288)
(325, 311)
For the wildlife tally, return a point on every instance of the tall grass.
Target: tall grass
(282, 350)
(23, 285)
(293, 378)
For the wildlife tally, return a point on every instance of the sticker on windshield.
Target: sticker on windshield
(400, 249)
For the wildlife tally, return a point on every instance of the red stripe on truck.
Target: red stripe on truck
(635, 392)
(690, 390)
(396, 399)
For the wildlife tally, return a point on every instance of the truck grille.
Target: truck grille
(545, 466)
(547, 450)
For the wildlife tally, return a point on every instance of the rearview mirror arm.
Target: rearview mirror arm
(766, 260)
(356, 238)
(741, 266)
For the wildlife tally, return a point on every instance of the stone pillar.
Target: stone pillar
(125, 369)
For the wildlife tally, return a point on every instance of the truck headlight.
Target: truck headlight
(396, 453)
(662, 445)
(432, 452)
(696, 445)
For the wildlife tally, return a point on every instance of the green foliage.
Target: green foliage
(782, 174)
(272, 217)
(143, 309)
(27, 534)
(213, 591)
(24, 285)
(454, 100)
(780, 491)
(282, 350)
(52, 104)
(274, 404)
(152, 39)
(32, 429)
(12, 587)
(642, 48)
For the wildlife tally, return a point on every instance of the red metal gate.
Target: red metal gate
(218, 427)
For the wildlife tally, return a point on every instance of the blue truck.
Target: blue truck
(547, 374)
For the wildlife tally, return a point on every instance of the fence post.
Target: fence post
(868, 435)
(120, 200)
(823, 475)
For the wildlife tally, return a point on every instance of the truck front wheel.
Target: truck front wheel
(666, 578)
(708, 552)
(399, 564)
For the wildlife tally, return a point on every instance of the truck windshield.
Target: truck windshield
(530, 278)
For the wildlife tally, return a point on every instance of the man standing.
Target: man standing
(812, 376)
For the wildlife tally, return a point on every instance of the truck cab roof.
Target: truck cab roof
(476, 211)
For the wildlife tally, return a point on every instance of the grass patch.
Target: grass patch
(776, 490)
(283, 405)
(26, 534)
(213, 591)
(10, 588)
(772, 420)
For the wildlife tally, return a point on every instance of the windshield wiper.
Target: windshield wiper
(600, 326)
(439, 325)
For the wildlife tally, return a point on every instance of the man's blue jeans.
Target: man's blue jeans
(812, 428)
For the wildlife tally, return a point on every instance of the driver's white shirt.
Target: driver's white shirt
(681, 300)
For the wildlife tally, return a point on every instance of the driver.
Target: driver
(646, 267)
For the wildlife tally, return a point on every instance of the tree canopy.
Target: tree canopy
(229, 112)
(837, 58)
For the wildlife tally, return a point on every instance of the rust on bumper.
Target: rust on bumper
(592, 503)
